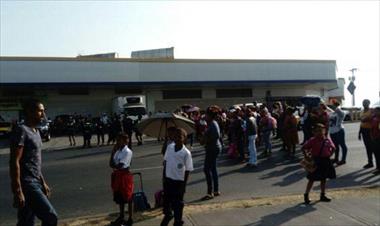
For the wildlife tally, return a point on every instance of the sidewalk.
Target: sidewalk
(360, 206)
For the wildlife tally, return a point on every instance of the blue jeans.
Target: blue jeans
(36, 204)
(210, 169)
(267, 140)
(252, 149)
(339, 140)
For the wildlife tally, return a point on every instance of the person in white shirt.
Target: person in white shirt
(177, 166)
(122, 178)
(337, 133)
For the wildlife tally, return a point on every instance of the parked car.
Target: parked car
(5, 128)
(45, 130)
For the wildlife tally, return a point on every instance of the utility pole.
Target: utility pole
(351, 87)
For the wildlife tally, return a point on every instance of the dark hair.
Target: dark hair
(213, 111)
(30, 105)
(181, 131)
(123, 136)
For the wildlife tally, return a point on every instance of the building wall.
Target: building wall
(110, 71)
(283, 78)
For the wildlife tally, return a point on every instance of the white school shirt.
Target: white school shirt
(177, 162)
(123, 156)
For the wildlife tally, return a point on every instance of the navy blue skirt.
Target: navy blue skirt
(325, 170)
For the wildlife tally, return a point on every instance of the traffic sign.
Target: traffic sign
(351, 87)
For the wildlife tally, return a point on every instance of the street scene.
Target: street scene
(79, 179)
(224, 113)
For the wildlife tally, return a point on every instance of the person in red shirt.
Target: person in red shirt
(321, 148)
(375, 137)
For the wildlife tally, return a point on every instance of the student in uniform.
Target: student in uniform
(122, 178)
(177, 166)
(321, 148)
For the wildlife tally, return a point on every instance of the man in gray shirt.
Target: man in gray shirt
(28, 185)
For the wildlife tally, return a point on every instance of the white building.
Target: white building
(87, 85)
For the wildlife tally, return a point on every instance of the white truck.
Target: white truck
(132, 106)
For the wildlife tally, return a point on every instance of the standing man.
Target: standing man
(28, 184)
(365, 130)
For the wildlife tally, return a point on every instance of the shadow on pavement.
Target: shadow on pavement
(284, 216)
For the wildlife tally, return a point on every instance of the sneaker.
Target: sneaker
(207, 197)
(217, 193)
(118, 221)
(341, 163)
(165, 221)
(369, 165)
(306, 199)
(324, 199)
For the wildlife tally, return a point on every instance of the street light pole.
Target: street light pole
(352, 79)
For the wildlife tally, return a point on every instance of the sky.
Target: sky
(345, 31)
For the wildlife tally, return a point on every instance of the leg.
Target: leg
(308, 188)
(39, 204)
(215, 177)
(121, 210)
(206, 170)
(25, 217)
(323, 197)
(167, 204)
(334, 138)
(323, 186)
(342, 141)
(178, 204)
(71, 143)
(251, 149)
(130, 210)
(367, 144)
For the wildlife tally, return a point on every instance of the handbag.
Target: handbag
(308, 162)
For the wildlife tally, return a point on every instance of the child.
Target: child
(122, 179)
(320, 148)
(177, 166)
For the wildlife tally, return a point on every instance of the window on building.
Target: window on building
(182, 94)
(17, 92)
(226, 93)
(127, 90)
(74, 91)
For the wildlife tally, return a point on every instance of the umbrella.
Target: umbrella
(157, 125)
(376, 105)
(311, 100)
(192, 109)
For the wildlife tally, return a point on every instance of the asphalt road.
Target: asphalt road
(80, 178)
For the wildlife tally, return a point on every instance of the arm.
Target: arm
(47, 190)
(15, 174)
(187, 173)
(111, 163)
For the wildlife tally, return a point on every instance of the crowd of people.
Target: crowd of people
(239, 130)
(87, 126)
